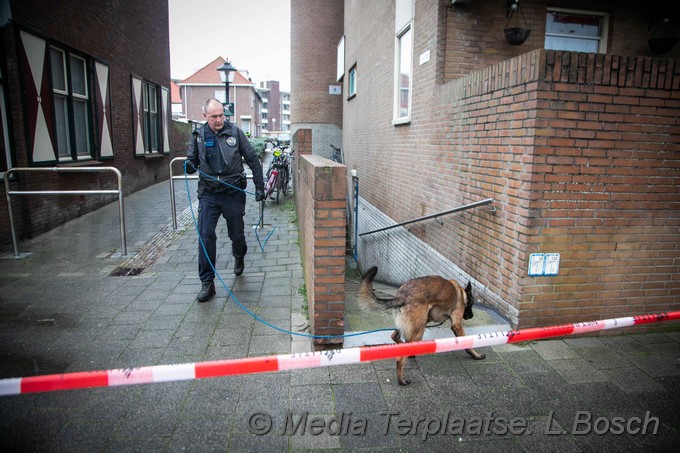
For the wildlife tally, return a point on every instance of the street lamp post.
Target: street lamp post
(227, 72)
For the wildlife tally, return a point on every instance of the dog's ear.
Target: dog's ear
(370, 274)
(468, 291)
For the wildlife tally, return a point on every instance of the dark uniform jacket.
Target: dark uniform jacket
(233, 145)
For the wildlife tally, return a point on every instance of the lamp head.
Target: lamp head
(227, 71)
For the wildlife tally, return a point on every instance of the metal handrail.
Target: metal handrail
(173, 206)
(432, 216)
(119, 191)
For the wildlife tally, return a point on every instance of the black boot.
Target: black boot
(207, 291)
(238, 266)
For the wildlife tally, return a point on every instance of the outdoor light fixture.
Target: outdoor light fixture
(227, 72)
(515, 35)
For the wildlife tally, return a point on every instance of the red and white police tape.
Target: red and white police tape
(187, 371)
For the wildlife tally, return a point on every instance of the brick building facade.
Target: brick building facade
(316, 30)
(83, 84)
(580, 152)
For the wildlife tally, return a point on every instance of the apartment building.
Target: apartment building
(82, 84)
(275, 112)
(572, 131)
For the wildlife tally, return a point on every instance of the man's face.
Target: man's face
(214, 114)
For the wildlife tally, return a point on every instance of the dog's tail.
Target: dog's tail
(368, 300)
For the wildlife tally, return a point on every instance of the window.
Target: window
(340, 60)
(403, 82)
(245, 125)
(150, 105)
(403, 63)
(67, 102)
(150, 92)
(352, 82)
(221, 96)
(578, 31)
(72, 115)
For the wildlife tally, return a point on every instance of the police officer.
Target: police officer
(217, 149)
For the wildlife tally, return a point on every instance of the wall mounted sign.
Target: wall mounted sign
(544, 264)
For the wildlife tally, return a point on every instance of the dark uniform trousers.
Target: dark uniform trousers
(212, 205)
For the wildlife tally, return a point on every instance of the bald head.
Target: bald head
(211, 102)
(213, 112)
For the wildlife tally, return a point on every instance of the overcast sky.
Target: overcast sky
(253, 34)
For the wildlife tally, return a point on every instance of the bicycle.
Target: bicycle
(278, 173)
(336, 155)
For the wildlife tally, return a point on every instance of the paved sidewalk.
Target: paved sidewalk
(62, 311)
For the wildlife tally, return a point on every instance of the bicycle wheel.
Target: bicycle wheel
(279, 183)
(272, 182)
(285, 180)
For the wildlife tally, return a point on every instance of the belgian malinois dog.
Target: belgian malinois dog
(417, 302)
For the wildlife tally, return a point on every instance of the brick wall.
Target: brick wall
(605, 187)
(320, 192)
(132, 38)
(581, 154)
(316, 29)
(490, 137)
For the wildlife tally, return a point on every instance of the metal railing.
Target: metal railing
(119, 192)
(433, 216)
(173, 205)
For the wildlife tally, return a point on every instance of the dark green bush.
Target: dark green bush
(258, 144)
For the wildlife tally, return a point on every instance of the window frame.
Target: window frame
(151, 118)
(398, 118)
(340, 59)
(67, 146)
(602, 39)
(352, 82)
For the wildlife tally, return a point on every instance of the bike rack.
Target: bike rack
(119, 192)
(173, 206)
(433, 216)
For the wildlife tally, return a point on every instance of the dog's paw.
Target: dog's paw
(475, 355)
(404, 382)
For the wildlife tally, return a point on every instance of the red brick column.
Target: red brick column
(320, 192)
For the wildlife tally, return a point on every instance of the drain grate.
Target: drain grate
(122, 271)
(154, 247)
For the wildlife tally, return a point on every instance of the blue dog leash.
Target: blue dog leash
(224, 285)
